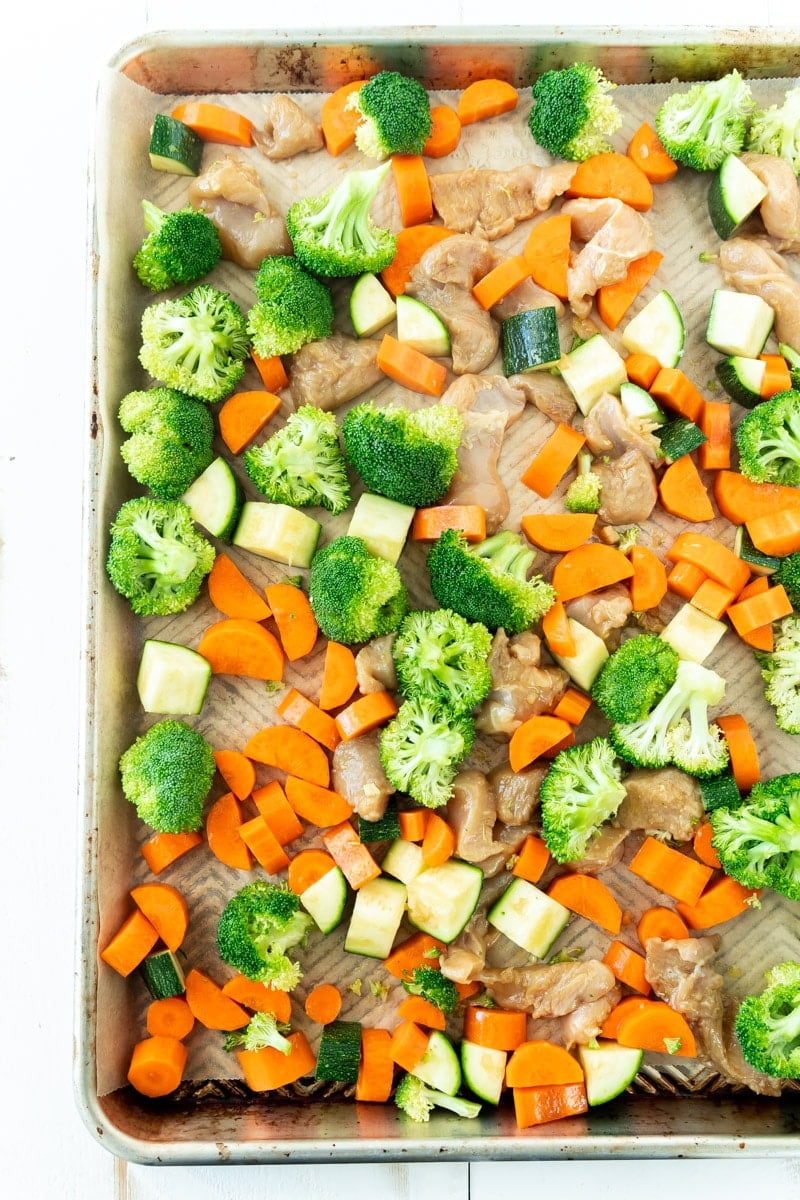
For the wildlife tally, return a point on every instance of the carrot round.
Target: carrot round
(166, 910)
(558, 532)
(627, 1004)
(445, 132)
(271, 802)
(413, 189)
(742, 749)
(701, 844)
(263, 845)
(685, 579)
(215, 123)
(337, 120)
(669, 871)
(323, 1003)
(259, 997)
(315, 804)
(411, 245)
(682, 492)
(131, 944)
(232, 593)
(238, 646)
(157, 1065)
(557, 633)
(422, 1012)
(272, 371)
(294, 616)
(551, 1102)
(292, 751)
(552, 461)
(351, 856)
(648, 153)
(339, 676)
(307, 868)
(486, 98)
(538, 1063)
(269, 1068)
(244, 415)
(438, 842)
(298, 710)
(590, 898)
(648, 584)
(628, 966)
(376, 1069)
(674, 389)
(209, 1004)
(741, 500)
(532, 860)
(162, 850)
(776, 377)
(656, 1027)
(502, 279)
(547, 252)
(223, 825)
(642, 369)
(416, 951)
(660, 922)
(365, 714)
(573, 706)
(495, 1028)
(429, 523)
(533, 737)
(411, 368)
(170, 1017)
(615, 175)
(589, 568)
(777, 533)
(413, 824)
(408, 1045)
(721, 901)
(715, 423)
(711, 557)
(770, 605)
(614, 299)
(237, 770)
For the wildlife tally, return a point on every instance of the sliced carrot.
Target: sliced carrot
(715, 423)
(539, 1063)
(162, 850)
(502, 279)
(701, 844)
(533, 737)
(298, 710)
(408, 1045)
(558, 532)
(722, 900)
(365, 714)
(376, 1069)
(714, 559)
(272, 371)
(419, 950)
(713, 599)
(413, 824)
(429, 523)
(238, 646)
(741, 500)
(131, 944)
(215, 123)
(445, 132)
(573, 706)
(628, 966)
(315, 804)
(657, 1027)
(339, 677)
(439, 841)
(742, 749)
(307, 867)
(269, 1068)
(685, 579)
(170, 1017)
(614, 299)
(237, 770)
(292, 751)
(422, 1012)
(244, 415)
(166, 910)
(553, 460)
(209, 1004)
(590, 898)
(547, 253)
(660, 922)
(589, 568)
(763, 609)
(271, 802)
(532, 860)
(777, 533)
(776, 377)
(647, 151)
(294, 616)
(762, 638)
(554, 1102)
(615, 175)
(558, 634)
(465, 990)
(682, 492)
(411, 245)
(755, 587)
(233, 594)
(338, 120)
(259, 997)
(674, 389)
(263, 845)
(486, 98)
(669, 871)
(569, 740)
(411, 368)
(626, 1005)
(323, 1003)
(648, 584)
(642, 369)
(495, 1028)
(223, 824)
(157, 1065)
(413, 189)
(351, 856)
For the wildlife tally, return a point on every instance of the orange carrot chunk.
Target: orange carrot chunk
(660, 922)
(237, 770)
(422, 1012)
(350, 855)
(419, 950)
(323, 1003)
(170, 1017)
(648, 584)
(429, 523)
(615, 175)
(628, 966)
(713, 559)
(339, 678)
(408, 1045)
(532, 860)
(237, 646)
(365, 714)
(742, 749)
(486, 98)
(263, 845)
(642, 368)
(131, 944)
(558, 633)
(439, 841)
(741, 500)
(271, 802)
(259, 997)
(590, 898)
(269, 1068)
(627, 1004)
(157, 1065)
(162, 850)
(166, 910)
(573, 706)
(244, 415)
(589, 568)
(411, 368)
(272, 371)
(657, 1027)
(713, 599)
(550, 1102)
(558, 532)
(223, 825)
(763, 609)
(495, 1028)
(292, 751)
(776, 377)
(701, 844)
(647, 152)
(501, 280)
(614, 299)
(676, 391)
(317, 805)
(338, 120)
(538, 1063)
(307, 867)
(547, 253)
(413, 189)
(776, 533)
(376, 1069)
(669, 871)
(298, 710)
(533, 737)
(682, 492)
(553, 460)
(721, 901)
(685, 579)
(715, 423)
(445, 132)
(294, 616)
(412, 243)
(209, 1004)
(215, 123)
(232, 593)
(413, 824)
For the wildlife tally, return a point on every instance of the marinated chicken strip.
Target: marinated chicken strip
(472, 815)
(661, 801)
(375, 669)
(780, 208)
(751, 265)
(333, 370)
(603, 850)
(231, 195)
(443, 279)
(614, 235)
(586, 1022)
(287, 129)
(604, 612)
(485, 393)
(516, 792)
(524, 296)
(477, 479)
(628, 489)
(549, 990)
(548, 393)
(521, 688)
(357, 775)
(465, 958)
(609, 432)
(490, 203)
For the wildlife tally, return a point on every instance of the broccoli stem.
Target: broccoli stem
(153, 216)
(169, 559)
(506, 554)
(343, 219)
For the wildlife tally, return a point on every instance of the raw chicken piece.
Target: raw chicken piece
(628, 489)
(662, 801)
(471, 814)
(780, 208)
(490, 203)
(751, 265)
(615, 235)
(375, 669)
(443, 279)
(287, 129)
(604, 612)
(549, 990)
(231, 195)
(521, 688)
(357, 775)
(329, 372)
(609, 432)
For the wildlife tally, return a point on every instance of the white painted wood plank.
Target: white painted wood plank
(400, 1181)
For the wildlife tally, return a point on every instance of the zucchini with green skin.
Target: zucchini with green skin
(528, 917)
(657, 329)
(741, 378)
(172, 680)
(738, 323)
(758, 562)
(483, 1070)
(215, 500)
(530, 340)
(325, 900)
(678, 437)
(608, 1069)
(371, 306)
(442, 899)
(163, 974)
(421, 328)
(174, 147)
(590, 369)
(277, 531)
(376, 918)
(734, 194)
(403, 861)
(339, 1052)
(439, 1066)
(385, 829)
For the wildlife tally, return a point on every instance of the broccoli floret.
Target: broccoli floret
(257, 926)
(702, 125)
(768, 1024)
(261, 1031)
(292, 307)
(421, 750)
(776, 130)
(788, 574)
(583, 493)
(197, 344)
(408, 456)
(302, 464)
(768, 438)
(582, 789)
(332, 233)
(418, 1100)
(157, 559)
(488, 581)
(395, 115)
(433, 986)
(758, 842)
(180, 247)
(634, 678)
(355, 595)
(444, 659)
(167, 774)
(573, 114)
(780, 668)
(171, 440)
(664, 736)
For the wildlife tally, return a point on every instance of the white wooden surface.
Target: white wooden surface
(51, 53)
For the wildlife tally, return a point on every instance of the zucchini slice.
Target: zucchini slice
(608, 1069)
(738, 323)
(442, 899)
(484, 1070)
(403, 861)
(421, 328)
(657, 329)
(163, 974)
(692, 633)
(371, 306)
(590, 654)
(174, 146)
(277, 531)
(384, 830)
(678, 437)
(325, 900)
(215, 499)
(339, 1052)
(439, 1066)
(720, 792)
(172, 679)
(530, 340)
(376, 918)
(382, 523)
(592, 368)
(529, 917)
(735, 192)
(741, 378)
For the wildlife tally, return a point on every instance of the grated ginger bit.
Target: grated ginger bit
(379, 990)
(355, 987)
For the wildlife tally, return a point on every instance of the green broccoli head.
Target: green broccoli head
(302, 464)
(583, 493)
(262, 1030)
(788, 573)
(406, 455)
(418, 1100)
(433, 986)
(488, 581)
(157, 559)
(582, 789)
(354, 594)
(768, 1024)
(422, 748)
(780, 667)
(573, 114)
(395, 115)
(333, 235)
(699, 127)
(292, 308)
(768, 438)
(634, 678)
(180, 247)
(256, 928)
(167, 774)
(758, 842)
(196, 344)
(442, 658)
(171, 439)
(776, 130)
